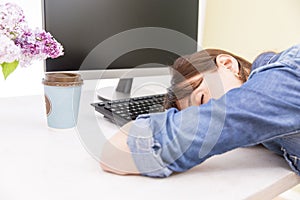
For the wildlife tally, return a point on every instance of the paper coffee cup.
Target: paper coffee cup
(62, 98)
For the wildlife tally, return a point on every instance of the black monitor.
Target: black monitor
(120, 38)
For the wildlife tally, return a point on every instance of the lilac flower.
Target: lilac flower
(20, 43)
(9, 52)
(37, 45)
(51, 47)
(12, 20)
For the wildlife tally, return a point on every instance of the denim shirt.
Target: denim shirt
(264, 110)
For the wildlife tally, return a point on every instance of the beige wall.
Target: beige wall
(248, 27)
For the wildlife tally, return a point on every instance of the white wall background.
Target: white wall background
(25, 81)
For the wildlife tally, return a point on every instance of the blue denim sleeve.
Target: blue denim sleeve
(144, 150)
(175, 141)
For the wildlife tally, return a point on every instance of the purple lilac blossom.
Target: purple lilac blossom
(37, 45)
(25, 45)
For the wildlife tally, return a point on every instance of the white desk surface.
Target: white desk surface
(41, 164)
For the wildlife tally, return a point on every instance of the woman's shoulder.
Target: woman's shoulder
(263, 59)
(269, 57)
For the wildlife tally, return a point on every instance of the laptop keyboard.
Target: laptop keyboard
(122, 111)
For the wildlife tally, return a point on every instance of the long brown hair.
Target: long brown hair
(189, 66)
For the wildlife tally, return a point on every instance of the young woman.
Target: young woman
(236, 110)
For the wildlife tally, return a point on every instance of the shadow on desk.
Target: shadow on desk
(233, 162)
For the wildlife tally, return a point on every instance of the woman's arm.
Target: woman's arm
(116, 157)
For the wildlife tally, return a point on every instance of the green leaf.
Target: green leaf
(8, 68)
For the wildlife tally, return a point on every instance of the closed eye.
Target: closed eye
(202, 98)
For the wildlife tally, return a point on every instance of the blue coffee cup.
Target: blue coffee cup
(62, 98)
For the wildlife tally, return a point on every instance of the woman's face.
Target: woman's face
(200, 88)
(200, 95)
(206, 86)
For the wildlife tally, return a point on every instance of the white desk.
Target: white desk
(41, 164)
